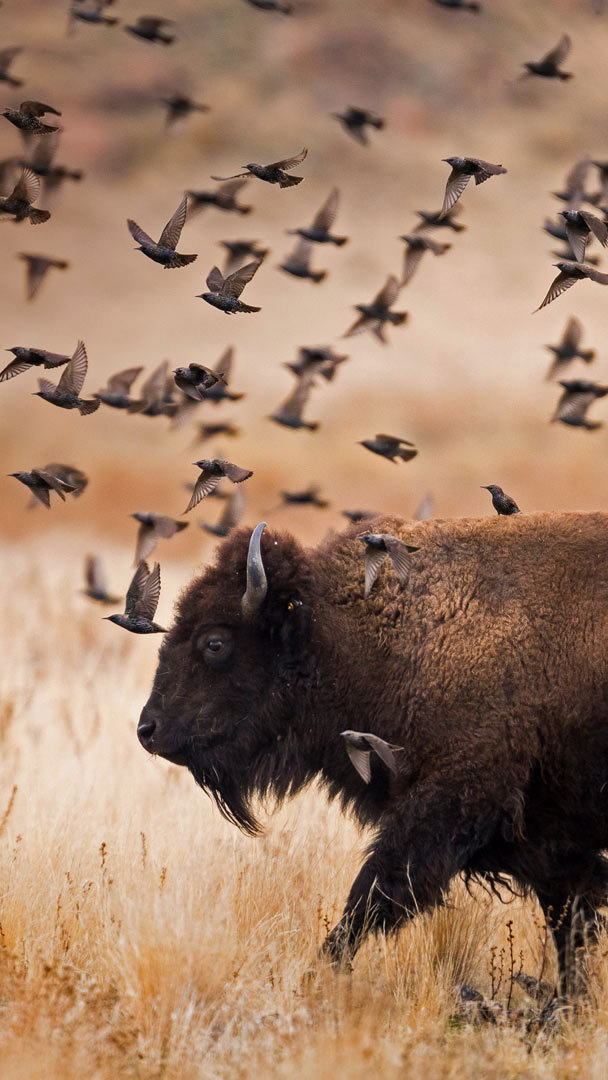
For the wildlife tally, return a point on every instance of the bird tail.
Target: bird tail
(86, 407)
(290, 181)
(311, 425)
(474, 6)
(180, 260)
(285, 9)
(244, 209)
(592, 425)
(110, 20)
(247, 308)
(339, 241)
(318, 275)
(36, 217)
(167, 39)
(46, 129)
(12, 81)
(377, 123)
(587, 355)
(397, 317)
(564, 75)
(406, 454)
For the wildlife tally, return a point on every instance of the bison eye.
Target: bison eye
(216, 646)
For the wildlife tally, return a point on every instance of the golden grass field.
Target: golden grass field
(141, 936)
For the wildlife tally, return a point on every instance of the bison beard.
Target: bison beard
(490, 668)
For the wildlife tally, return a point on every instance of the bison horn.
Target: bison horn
(257, 586)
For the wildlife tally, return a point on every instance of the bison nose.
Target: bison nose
(146, 729)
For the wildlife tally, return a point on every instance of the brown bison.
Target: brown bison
(490, 669)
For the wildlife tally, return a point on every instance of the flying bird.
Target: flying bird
(74, 480)
(164, 251)
(41, 483)
(179, 108)
(463, 168)
(379, 546)
(390, 447)
(308, 497)
(152, 28)
(196, 379)
(19, 204)
(504, 505)
(356, 122)
(223, 199)
(27, 117)
(434, 219)
(361, 745)
(275, 173)
(95, 582)
(117, 393)
(579, 226)
(569, 274)
(212, 471)
(6, 58)
(37, 267)
(66, 394)
(289, 414)
(42, 162)
(220, 391)
(297, 263)
(569, 348)
(320, 230)
(318, 361)
(360, 515)
(141, 602)
(152, 528)
(211, 431)
(373, 316)
(94, 14)
(238, 250)
(415, 247)
(156, 394)
(550, 64)
(574, 185)
(27, 358)
(572, 406)
(459, 5)
(271, 5)
(224, 292)
(231, 515)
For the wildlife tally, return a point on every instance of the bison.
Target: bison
(489, 667)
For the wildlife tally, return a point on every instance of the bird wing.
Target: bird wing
(299, 258)
(293, 406)
(215, 280)
(598, 227)
(573, 406)
(147, 601)
(325, 217)
(289, 163)
(572, 335)
(224, 364)
(53, 482)
(166, 527)
(8, 55)
(359, 326)
(94, 575)
(578, 235)
(233, 184)
(16, 367)
(575, 180)
(122, 381)
(206, 483)
(46, 386)
(173, 229)
(384, 750)
(37, 108)
(139, 235)
(234, 472)
(72, 379)
(45, 151)
(36, 269)
(145, 543)
(361, 761)
(373, 561)
(233, 511)
(235, 283)
(559, 52)
(152, 23)
(557, 287)
(225, 179)
(153, 388)
(27, 187)
(137, 582)
(388, 293)
(411, 261)
(454, 188)
(400, 557)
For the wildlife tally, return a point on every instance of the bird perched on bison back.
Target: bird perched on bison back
(224, 292)
(504, 771)
(141, 602)
(503, 504)
(463, 168)
(377, 547)
(549, 65)
(275, 173)
(373, 316)
(212, 471)
(572, 406)
(164, 251)
(389, 446)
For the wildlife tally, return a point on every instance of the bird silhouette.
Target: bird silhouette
(569, 274)
(549, 65)
(577, 396)
(224, 292)
(378, 547)
(373, 316)
(319, 232)
(95, 581)
(141, 602)
(66, 394)
(19, 203)
(37, 267)
(297, 263)
(212, 471)
(117, 393)
(569, 348)
(164, 251)
(356, 122)
(390, 447)
(463, 168)
(275, 173)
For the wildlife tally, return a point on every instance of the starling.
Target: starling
(19, 203)
(211, 474)
(224, 292)
(75, 480)
(211, 431)
(356, 121)
(94, 14)
(361, 745)
(271, 5)
(196, 379)
(223, 199)
(141, 602)
(239, 250)
(434, 219)
(117, 393)
(463, 168)
(503, 504)
(156, 394)
(579, 226)
(275, 173)
(569, 274)
(309, 497)
(373, 316)
(95, 582)
(289, 414)
(390, 447)
(152, 28)
(164, 251)
(549, 65)
(37, 267)
(569, 348)
(27, 117)
(230, 517)
(220, 391)
(572, 406)
(360, 515)
(320, 230)
(377, 547)
(574, 189)
(27, 358)
(6, 58)
(179, 107)
(297, 263)
(152, 528)
(460, 5)
(41, 162)
(41, 483)
(65, 394)
(318, 361)
(415, 249)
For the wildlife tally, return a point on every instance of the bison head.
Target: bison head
(229, 670)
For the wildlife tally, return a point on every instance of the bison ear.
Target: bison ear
(295, 628)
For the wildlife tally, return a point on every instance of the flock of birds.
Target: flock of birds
(179, 393)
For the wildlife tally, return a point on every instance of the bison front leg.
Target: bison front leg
(409, 867)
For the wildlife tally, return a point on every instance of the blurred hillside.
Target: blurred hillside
(464, 378)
